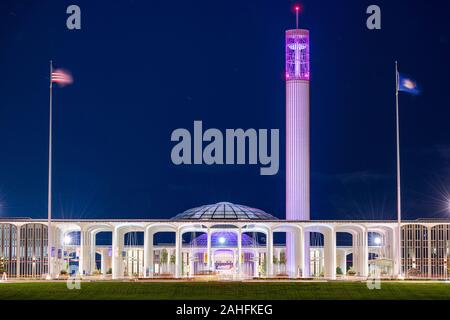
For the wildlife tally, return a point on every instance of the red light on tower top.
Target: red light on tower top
(297, 9)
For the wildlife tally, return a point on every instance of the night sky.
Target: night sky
(145, 68)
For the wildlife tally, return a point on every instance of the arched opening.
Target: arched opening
(254, 254)
(317, 254)
(380, 263)
(71, 252)
(288, 261)
(344, 259)
(133, 254)
(224, 255)
(351, 250)
(194, 253)
(280, 268)
(163, 254)
(103, 253)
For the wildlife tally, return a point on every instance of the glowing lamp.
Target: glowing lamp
(67, 240)
(377, 241)
(222, 240)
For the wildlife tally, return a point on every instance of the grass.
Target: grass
(224, 290)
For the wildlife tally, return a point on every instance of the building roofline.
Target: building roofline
(28, 219)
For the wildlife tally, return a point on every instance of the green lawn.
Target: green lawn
(224, 290)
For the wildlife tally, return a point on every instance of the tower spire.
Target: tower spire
(297, 10)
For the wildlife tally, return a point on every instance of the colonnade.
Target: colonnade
(298, 266)
(423, 245)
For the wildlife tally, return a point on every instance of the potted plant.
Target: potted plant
(351, 272)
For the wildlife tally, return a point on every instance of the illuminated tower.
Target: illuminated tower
(297, 137)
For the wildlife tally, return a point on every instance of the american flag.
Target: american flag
(61, 77)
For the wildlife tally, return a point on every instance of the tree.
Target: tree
(164, 256)
(283, 258)
(275, 260)
(263, 267)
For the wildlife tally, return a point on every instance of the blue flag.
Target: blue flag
(407, 84)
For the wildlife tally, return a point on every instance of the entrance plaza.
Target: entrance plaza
(224, 241)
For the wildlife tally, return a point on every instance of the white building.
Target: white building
(224, 240)
(227, 240)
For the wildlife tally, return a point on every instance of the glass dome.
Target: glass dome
(224, 211)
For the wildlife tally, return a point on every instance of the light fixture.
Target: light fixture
(222, 240)
(67, 239)
(377, 241)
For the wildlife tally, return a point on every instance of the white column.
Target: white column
(342, 261)
(269, 256)
(146, 253)
(150, 253)
(51, 259)
(178, 261)
(17, 251)
(59, 249)
(83, 262)
(293, 259)
(330, 254)
(255, 263)
(355, 252)
(116, 254)
(213, 261)
(429, 251)
(306, 255)
(364, 254)
(208, 249)
(191, 263)
(81, 254)
(239, 240)
(395, 252)
(92, 247)
(105, 261)
(302, 255)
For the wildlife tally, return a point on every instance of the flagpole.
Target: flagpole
(49, 203)
(399, 204)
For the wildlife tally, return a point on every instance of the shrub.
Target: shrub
(2, 265)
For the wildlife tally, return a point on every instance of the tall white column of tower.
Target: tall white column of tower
(297, 139)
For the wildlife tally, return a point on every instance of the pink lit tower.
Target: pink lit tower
(297, 140)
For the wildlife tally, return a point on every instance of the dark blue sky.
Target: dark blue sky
(145, 68)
